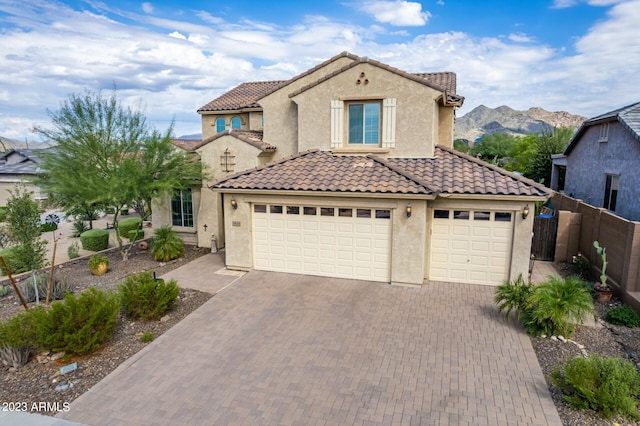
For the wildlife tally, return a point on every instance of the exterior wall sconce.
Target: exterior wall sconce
(525, 211)
(234, 203)
(408, 209)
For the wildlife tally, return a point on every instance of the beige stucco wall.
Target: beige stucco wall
(446, 117)
(522, 229)
(417, 118)
(408, 243)
(281, 114)
(5, 187)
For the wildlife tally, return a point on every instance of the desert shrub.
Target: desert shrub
(581, 266)
(79, 325)
(135, 234)
(48, 227)
(513, 297)
(58, 288)
(3, 213)
(18, 338)
(129, 224)
(78, 227)
(73, 251)
(557, 305)
(607, 385)
(99, 264)
(623, 315)
(166, 245)
(147, 337)
(4, 290)
(95, 239)
(12, 262)
(144, 297)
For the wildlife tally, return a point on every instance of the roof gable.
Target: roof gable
(628, 116)
(241, 97)
(251, 137)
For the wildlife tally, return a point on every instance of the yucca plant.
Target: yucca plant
(167, 245)
(557, 305)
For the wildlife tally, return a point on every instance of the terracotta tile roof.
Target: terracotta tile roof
(456, 173)
(449, 172)
(248, 94)
(252, 137)
(242, 96)
(323, 171)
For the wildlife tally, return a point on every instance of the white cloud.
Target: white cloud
(521, 38)
(398, 12)
(147, 8)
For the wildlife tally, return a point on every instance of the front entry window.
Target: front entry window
(182, 208)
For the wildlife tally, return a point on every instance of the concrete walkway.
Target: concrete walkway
(274, 348)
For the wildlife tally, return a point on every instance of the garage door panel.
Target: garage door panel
(473, 251)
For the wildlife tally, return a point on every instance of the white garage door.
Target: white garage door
(327, 241)
(471, 246)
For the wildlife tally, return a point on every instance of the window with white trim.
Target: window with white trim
(357, 123)
(182, 208)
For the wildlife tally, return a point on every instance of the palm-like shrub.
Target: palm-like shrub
(557, 305)
(167, 245)
(513, 297)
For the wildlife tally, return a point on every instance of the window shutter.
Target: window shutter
(389, 123)
(337, 123)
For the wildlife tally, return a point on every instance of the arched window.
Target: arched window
(236, 123)
(220, 125)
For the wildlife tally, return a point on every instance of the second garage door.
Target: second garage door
(327, 241)
(471, 246)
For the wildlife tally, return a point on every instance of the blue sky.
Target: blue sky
(171, 57)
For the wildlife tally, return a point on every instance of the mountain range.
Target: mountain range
(482, 120)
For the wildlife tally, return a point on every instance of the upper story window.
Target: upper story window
(370, 123)
(236, 123)
(604, 132)
(220, 125)
(364, 123)
(610, 192)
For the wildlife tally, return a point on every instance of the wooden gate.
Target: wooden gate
(545, 231)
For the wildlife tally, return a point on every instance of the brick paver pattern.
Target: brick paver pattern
(287, 349)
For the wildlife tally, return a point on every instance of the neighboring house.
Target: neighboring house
(600, 165)
(347, 170)
(18, 165)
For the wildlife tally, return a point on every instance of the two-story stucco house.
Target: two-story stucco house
(348, 170)
(600, 165)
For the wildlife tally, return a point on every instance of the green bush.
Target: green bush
(58, 288)
(4, 290)
(95, 239)
(73, 251)
(79, 325)
(557, 305)
(623, 315)
(129, 224)
(135, 234)
(166, 244)
(609, 386)
(18, 337)
(3, 213)
(98, 264)
(582, 266)
(144, 297)
(146, 337)
(14, 265)
(513, 297)
(78, 228)
(48, 227)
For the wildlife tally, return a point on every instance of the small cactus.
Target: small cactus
(602, 252)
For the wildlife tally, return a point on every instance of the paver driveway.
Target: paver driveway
(286, 349)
